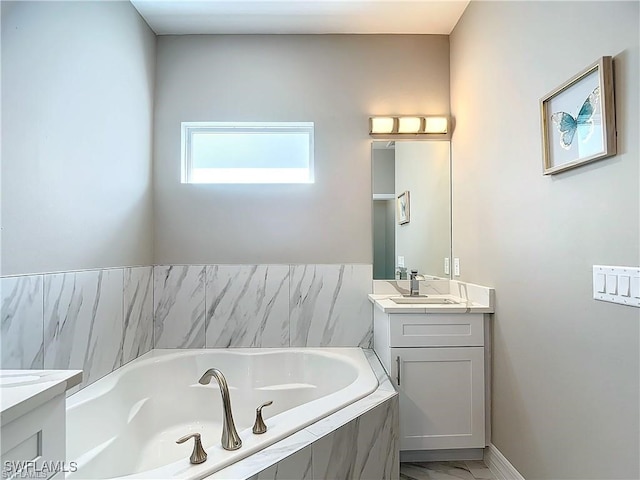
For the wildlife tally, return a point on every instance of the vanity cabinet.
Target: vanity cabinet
(437, 362)
(32, 418)
(32, 441)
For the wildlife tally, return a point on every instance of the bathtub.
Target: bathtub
(125, 425)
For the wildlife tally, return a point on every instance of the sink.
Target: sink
(423, 299)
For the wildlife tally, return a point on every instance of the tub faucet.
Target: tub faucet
(230, 438)
(415, 285)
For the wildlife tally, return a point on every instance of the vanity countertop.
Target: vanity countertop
(462, 305)
(24, 390)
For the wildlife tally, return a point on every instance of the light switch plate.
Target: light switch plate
(617, 284)
(447, 266)
(401, 261)
(456, 267)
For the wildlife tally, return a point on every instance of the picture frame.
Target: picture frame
(578, 119)
(403, 208)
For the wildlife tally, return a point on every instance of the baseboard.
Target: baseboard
(441, 455)
(499, 465)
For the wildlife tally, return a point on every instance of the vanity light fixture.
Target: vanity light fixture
(409, 125)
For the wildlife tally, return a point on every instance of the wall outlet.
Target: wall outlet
(447, 266)
(456, 267)
(401, 260)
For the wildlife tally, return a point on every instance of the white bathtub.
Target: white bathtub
(126, 424)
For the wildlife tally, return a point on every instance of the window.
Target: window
(247, 152)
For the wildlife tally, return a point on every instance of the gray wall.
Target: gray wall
(77, 101)
(566, 376)
(383, 162)
(335, 81)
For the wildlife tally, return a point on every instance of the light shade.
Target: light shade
(409, 125)
(435, 125)
(382, 124)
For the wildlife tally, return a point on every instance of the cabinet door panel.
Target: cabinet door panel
(441, 397)
(437, 330)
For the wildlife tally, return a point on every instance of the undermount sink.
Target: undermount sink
(423, 299)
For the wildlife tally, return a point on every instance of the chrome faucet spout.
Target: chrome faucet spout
(415, 285)
(230, 438)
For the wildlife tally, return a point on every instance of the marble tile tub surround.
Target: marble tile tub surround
(97, 320)
(83, 323)
(137, 336)
(247, 306)
(21, 327)
(94, 320)
(365, 448)
(262, 306)
(329, 306)
(178, 306)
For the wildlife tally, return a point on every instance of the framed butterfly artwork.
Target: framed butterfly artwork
(578, 119)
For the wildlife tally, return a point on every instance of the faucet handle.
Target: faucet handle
(198, 455)
(260, 427)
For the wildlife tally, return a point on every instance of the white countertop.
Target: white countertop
(24, 390)
(462, 305)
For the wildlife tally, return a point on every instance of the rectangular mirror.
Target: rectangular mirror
(414, 226)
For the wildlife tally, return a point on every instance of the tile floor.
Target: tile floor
(460, 470)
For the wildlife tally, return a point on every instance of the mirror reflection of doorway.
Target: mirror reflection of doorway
(384, 205)
(384, 238)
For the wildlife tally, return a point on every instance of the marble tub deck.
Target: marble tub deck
(358, 442)
(458, 470)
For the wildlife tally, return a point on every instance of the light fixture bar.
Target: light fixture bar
(408, 125)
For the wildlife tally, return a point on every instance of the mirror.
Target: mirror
(423, 239)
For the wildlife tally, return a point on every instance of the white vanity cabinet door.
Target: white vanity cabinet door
(441, 397)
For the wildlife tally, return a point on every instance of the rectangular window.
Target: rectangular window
(247, 152)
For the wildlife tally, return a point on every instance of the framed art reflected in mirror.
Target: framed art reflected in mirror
(403, 205)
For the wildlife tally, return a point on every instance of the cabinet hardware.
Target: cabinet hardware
(398, 364)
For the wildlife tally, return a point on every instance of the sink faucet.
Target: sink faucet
(230, 438)
(415, 286)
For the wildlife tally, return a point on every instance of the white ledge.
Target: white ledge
(24, 390)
